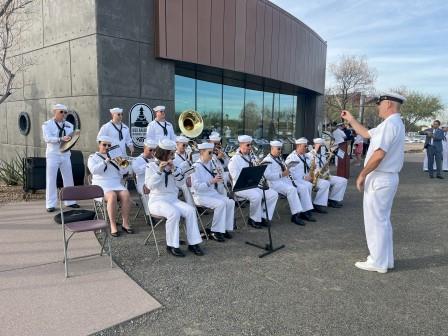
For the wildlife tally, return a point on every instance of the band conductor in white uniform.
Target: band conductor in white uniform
(379, 179)
(300, 164)
(205, 182)
(277, 174)
(55, 131)
(107, 174)
(242, 159)
(159, 128)
(338, 184)
(163, 180)
(117, 131)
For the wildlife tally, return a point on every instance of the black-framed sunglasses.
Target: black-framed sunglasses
(63, 112)
(151, 149)
(183, 145)
(248, 145)
(119, 114)
(106, 145)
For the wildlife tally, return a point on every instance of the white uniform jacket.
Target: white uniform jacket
(139, 165)
(158, 130)
(113, 131)
(52, 136)
(107, 175)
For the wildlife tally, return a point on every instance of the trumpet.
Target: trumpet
(121, 162)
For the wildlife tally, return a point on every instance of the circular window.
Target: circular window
(24, 123)
(73, 118)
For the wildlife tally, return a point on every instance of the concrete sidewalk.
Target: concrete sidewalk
(36, 299)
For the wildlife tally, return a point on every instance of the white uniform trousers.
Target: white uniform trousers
(445, 156)
(54, 163)
(305, 190)
(187, 195)
(255, 197)
(172, 210)
(379, 192)
(323, 190)
(223, 210)
(291, 194)
(337, 188)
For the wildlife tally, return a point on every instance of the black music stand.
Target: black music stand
(250, 178)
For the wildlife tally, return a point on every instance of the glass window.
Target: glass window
(268, 121)
(184, 91)
(209, 105)
(253, 118)
(286, 116)
(233, 102)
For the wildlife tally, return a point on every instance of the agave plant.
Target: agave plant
(11, 172)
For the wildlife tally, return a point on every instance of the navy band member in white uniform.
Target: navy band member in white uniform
(205, 182)
(243, 159)
(55, 131)
(277, 175)
(140, 163)
(219, 156)
(338, 184)
(117, 131)
(159, 128)
(339, 138)
(300, 164)
(163, 180)
(108, 175)
(379, 179)
(182, 161)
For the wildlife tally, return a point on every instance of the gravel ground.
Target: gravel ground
(310, 287)
(15, 194)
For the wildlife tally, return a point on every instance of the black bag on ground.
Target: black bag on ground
(75, 216)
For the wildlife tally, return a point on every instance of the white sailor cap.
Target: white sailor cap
(276, 143)
(244, 138)
(104, 138)
(59, 107)
(167, 144)
(319, 141)
(150, 143)
(181, 139)
(301, 141)
(391, 96)
(206, 145)
(159, 108)
(116, 110)
(214, 136)
(340, 124)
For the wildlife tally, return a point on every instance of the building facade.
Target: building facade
(247, 66)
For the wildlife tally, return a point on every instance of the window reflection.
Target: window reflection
(209, 105)
(184, 91)
(253, 119)
(233, 104)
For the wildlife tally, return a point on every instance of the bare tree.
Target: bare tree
(12, 23)
(352, 75)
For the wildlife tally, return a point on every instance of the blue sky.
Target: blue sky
(405, 41)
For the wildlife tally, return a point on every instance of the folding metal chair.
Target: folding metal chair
(76, 194)
(240, 202)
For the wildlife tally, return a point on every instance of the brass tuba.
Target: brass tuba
(191, 123)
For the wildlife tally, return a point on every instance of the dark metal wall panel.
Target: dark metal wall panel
(204, 23)
(174, 29)
(251, 27)
(229, 34)
(217, 33)
(249, 36)
(160, 28)
(267, 50)
(259, 38)
(190, 31)
(240, 35)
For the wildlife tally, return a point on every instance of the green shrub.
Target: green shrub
(11, 172)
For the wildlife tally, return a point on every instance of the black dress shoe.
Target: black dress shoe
(227, 235)
(115, 234)
(217, 236)
(253, 223)
(264, 222)
(175, 251)
(319, 209)
(296, 220)
(50, 209)
(334, 204)
(196, 249)
(306, 216)
(129, 231)
(74, 206)
(440, 177)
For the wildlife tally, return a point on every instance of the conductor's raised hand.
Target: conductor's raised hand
(346, 115)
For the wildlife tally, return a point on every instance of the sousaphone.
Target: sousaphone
(191, 123)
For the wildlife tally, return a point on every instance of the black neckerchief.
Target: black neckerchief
(183, 159)
(112, 163)
(305, 165)
(146, 160)
(60, 128)
(248, 161)
(210, 172)
(165, 131)
(278, 162)
(120, 131)
(167, 173)
(321, 163)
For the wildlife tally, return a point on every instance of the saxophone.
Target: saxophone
(314, 176)
(324, 172)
